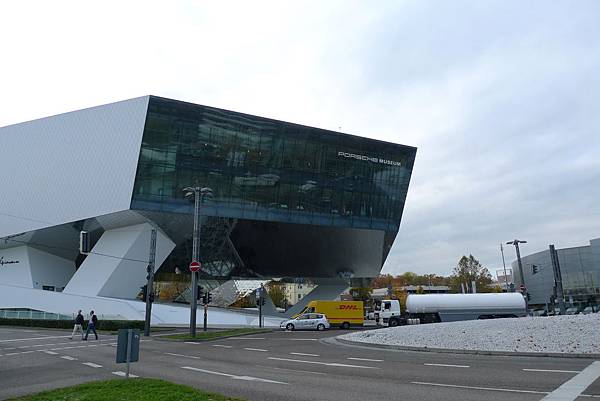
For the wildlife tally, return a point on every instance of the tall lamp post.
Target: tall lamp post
(516, 243)
(198, 193)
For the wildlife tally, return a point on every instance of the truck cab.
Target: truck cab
(385, 310)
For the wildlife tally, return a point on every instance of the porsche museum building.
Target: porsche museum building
(287, 200)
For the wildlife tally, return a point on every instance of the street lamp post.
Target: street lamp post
(516, 243)
(198, 193)
(504, 265)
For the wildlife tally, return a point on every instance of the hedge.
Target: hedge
(68, 324)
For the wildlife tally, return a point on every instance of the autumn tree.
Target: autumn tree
(468, 270)
(277, 293)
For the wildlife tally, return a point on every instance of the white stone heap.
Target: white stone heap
(557, 334)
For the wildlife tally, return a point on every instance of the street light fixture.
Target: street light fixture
(516, 243)
(198, 193)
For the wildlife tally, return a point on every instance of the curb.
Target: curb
(462, 351)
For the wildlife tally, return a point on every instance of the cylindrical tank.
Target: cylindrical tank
(435, 303)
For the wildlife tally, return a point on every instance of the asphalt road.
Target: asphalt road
(289, 366)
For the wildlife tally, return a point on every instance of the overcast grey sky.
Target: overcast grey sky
(502, 98)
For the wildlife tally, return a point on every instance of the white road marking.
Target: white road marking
(123, 374)
(302, 354)
(256, 349)
(234, 377)
(365, 359)
(292, 370)
(341, 365)
(244, 338)
(12, 353)
(222, 346)
(10, 348)
(191, 342)
(181, 355)
(510, 390)
(50, 352)
(68, 358)
(32, 338)
(572, 388)
(304, 339)
(446, 366)
(552, 370)
(91, 364)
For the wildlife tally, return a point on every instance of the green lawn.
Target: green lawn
(210, 335)
(127, 390)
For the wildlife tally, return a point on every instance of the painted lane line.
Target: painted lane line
(91, 364)
(123, 374)
(256, 349)
(68, 358)
(509, 390)
(303, 339)
(340, 365)
(292, 370)
(302, 354)
(50, 345)
(183, 356)
(50, 352)
(10, 348)
(446, 365)
(222, 346)
(191, 342)
(245, 338)
(31, 338)
(571, 389)
(234, 377)
(552, 370)
(365, 359)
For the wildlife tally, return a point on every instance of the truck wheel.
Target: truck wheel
(289, 327)
(393, 323)
(345, 325)
(320, 327)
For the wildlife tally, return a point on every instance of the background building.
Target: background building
(288, 200)
(580, 268)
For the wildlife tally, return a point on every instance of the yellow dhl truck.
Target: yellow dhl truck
(339, 313)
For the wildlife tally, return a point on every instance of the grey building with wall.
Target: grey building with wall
(580, 270)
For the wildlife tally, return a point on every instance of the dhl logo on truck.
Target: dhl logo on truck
(348, 307)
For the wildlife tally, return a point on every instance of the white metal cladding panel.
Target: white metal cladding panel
(70, 166)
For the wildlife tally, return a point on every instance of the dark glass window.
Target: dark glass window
(270, 169)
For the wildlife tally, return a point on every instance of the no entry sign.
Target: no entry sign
(194, 266)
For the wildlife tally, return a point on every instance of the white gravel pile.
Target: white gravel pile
(555, 334)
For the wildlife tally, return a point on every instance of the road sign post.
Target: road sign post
(194, 268)
(128, 347)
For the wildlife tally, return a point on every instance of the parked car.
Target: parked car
(306, 321)
(571, 311)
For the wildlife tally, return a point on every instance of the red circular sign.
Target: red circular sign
(194, 266)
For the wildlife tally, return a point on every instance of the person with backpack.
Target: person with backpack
(78, 325)
(91, 326)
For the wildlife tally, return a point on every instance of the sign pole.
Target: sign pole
(205, 316)
(129, 335)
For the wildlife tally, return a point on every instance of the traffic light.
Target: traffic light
(151, 297)
(207, 298)
(84, 242)
(528, 297)
(534, 269)
(199, 293)
(144, 292)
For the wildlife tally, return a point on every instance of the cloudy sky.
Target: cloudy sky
(502, 98)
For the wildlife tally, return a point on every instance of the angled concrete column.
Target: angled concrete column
(117, 265)
(326, 290)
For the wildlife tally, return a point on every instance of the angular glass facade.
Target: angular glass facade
(274, 183)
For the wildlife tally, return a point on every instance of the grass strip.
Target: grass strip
(127, 390)
(212, 335)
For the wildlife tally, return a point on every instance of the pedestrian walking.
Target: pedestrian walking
(91, 326)
(78, 324)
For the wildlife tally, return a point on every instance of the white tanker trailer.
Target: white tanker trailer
(432, 308)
